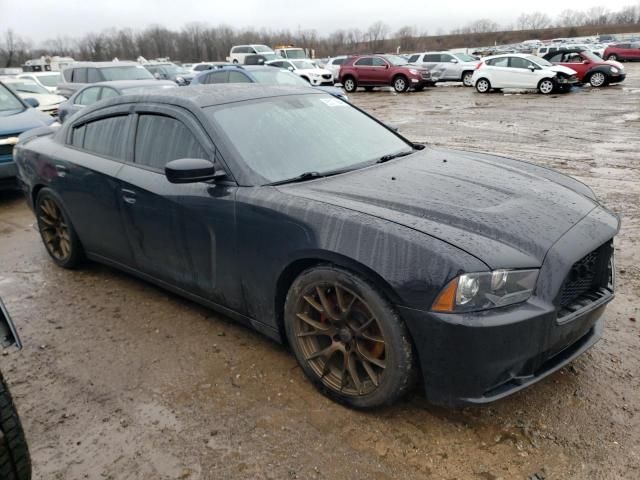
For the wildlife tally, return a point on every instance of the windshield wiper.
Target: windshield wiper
(300, 178)
(386, 158)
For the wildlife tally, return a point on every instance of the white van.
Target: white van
(239, 52)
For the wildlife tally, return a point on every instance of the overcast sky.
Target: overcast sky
(43, 19)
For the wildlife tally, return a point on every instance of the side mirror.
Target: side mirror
(32, 102)
(290, 69)
(386, 66)
(156, 76)
(453, 60)
(191, 170)
(532, 68)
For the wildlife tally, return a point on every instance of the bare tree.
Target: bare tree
(571, 18)
(376, 34)
(533, 21)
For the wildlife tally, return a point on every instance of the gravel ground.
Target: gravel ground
(121, 380)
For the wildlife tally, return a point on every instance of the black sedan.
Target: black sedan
(379, 261)
(94, 92)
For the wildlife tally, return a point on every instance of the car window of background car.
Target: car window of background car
(80, 75)
(414, 58)
(217, 77)
(539, 61)
(27, 86)
(303, 64)
(262, 49)
(160, 139)
(558, 57)
(108, 93)
(498, 62)
(9, 104)
(465, 58)
(378, 62)
(88, 96)
(338, 61)
(302, 133)
(431, 57)
(93, 76)
(237, 77)
(106, 137)
(395, 60)
(445, 57)
(49, 80)
(126, 73)
(279, 77)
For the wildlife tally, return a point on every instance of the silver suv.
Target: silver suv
(447, 66)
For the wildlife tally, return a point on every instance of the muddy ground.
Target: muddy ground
(120, 380)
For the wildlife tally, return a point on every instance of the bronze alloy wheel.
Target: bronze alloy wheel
(340, 338)
(54, 230)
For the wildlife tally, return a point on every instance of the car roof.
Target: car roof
(211, 95)
(102, 64)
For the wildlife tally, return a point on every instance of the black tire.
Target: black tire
(368, 89)
(15, 463)
(66, 251)
(483, 85)
(598, 79)
(546, 86)
(400, 83)
(350, 84)
(466, 78)
(346, 341)
(613, 57)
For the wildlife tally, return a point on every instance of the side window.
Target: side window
(558, 57)
(378, 62)
(68, 74)
(218, 77)
(108, 93)
(431, 57)
(88, 96)
(93, 76)
(79, 75)
(77, 136)
(517, 62)
(106, 137)
(160, 139)
(234, 50)
(339, 61)
(364, 62)
(414, 58)
(499, 62)
(445, 57)
(237, 77)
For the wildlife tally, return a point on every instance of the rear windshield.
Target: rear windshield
(129, 72)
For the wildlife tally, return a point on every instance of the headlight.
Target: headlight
(614, 70)
(484, 290)
(413, 71)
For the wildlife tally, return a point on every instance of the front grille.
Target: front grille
(6, 150)
(426, 75)
(590, 279)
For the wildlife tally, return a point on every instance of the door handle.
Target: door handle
(129, 196)
(62, 170)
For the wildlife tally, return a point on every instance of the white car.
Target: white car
(305, 69)
(25, 88)
(48, 80)
(334, 64)
(239, 52)
(447, 66)
(522, 71)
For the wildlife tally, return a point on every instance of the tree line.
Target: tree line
(199, 41)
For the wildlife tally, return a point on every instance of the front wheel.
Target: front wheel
(15, 463)
(467, 79)
(613, 57)
(483, 85)
(546, 86)
(400, 84)
(348, 339)
(349, 84)
(598, 79)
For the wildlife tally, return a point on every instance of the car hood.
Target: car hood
(504, 212)
(317, 71)
(562, 69)
(23, 121)
(45, 100)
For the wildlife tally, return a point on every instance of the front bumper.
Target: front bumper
(477, 359)
(617, 78)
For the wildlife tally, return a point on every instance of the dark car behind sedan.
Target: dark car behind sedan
(95, 92)
(303, 217)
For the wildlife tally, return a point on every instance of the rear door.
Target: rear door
(181, 234)
(363, 68)
(498, 72)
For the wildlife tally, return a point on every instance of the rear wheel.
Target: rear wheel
(347, 338)
(467, 79)
(56, 231)
(483, 85)
(546, 86)
(400, 84)
(350, 84)
(598, 79)
(15, 463)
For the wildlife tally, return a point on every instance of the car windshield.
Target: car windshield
(173, 70)
(278, 77)
(540, 61)
(262, 49)
(26, 86)
(330, 135)
(9, 104)
(303, 64)
(591, 56)
(465, 58)
(296, 53)
(130, 72)
(49, 80)
(396, 60)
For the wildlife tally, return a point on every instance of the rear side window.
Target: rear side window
(105, 137)
(79, 75)
(108, 93)
(499, 62)
(160, 139)
(88, 97)
(338, 61)
(558, 57)
(217, 77)
(364, 62)
(378, 62)
(445, 57)
(237, 77)
(93, 76)
(431, 57)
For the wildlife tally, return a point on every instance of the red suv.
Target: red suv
(371, 71)
(623, 51)
(588, 66)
